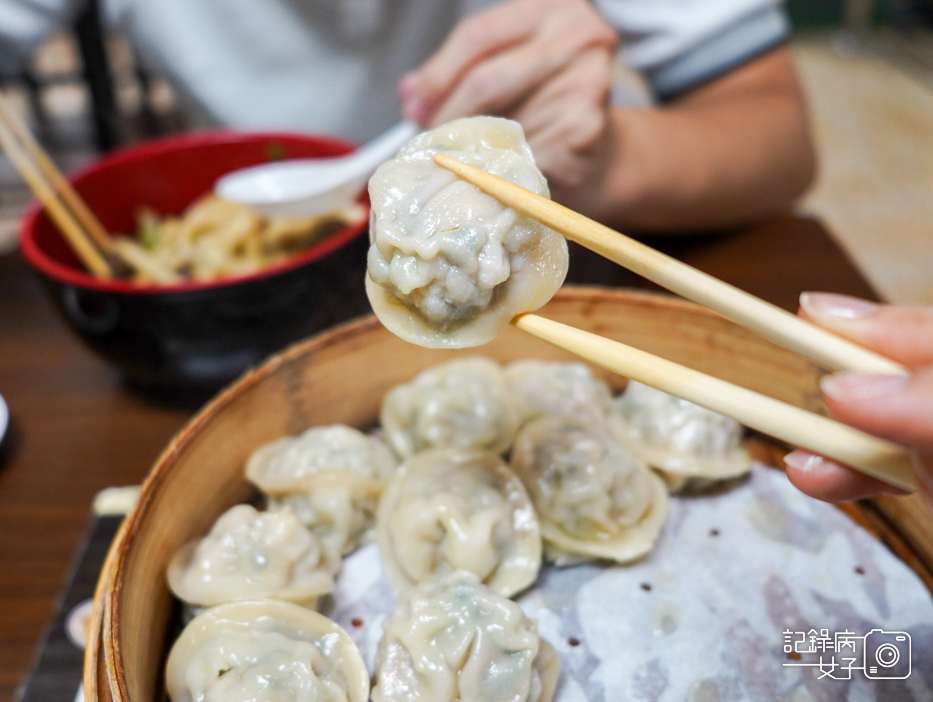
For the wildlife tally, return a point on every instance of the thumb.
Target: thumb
(902, 333)
(895, 407)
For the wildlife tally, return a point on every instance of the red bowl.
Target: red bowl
(195, 335)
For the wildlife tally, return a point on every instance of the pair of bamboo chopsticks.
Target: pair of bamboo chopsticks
(81, 229)
(872, 456)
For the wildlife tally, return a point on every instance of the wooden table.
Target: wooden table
(76, 429)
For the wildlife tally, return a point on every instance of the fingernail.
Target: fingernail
(803, 461)
(832, 306)
(846, 387)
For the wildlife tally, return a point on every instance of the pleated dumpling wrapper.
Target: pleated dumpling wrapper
(448, 265)
(594, 498)
(250, 554)
(455, 640)
(553, 387)
(464, 403)
(331, 477)
(692, 447)
(451, 509)
(265, 650)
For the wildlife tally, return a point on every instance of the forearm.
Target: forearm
(733, 151)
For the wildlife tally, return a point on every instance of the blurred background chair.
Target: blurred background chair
(867, 66)
(84, 93)
(87, 89)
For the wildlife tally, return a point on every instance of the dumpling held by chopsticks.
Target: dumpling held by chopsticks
(449, 266)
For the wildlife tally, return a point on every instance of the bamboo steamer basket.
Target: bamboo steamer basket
(96, 681)
(340, 376)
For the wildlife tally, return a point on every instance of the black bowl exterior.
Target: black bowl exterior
(201, 339)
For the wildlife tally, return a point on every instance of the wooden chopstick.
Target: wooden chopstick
(869, 455)
(783, 328)
(33, 169)
(47, 167)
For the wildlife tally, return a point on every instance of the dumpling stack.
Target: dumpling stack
(479, 471)
(581, 457)
(322, 489)
(482, 471)
(330, 477)
(454, 503)
(259, 572)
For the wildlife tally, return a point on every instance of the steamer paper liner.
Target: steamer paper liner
(701, 619)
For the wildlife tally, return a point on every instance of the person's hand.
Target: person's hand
(545, 63)
(897, 408)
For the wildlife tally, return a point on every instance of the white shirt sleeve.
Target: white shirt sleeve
(25, 23)
(680, 44)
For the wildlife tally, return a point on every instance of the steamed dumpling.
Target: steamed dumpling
(250, 554)
(265, 650)
(567, 389)
(448, 510)
(281, 464)
(464, 403)
(593, 497)
(448, 265)
(692, 446)
(456, 640)
(338, 508)
(330, 477)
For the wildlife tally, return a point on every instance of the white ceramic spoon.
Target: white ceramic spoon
(309, 187)
(4, 418)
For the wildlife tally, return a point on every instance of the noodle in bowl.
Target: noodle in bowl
(196, 335)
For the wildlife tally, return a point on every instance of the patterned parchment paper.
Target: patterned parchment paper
(702, 619)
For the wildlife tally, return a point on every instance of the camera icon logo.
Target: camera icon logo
(887, 655)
